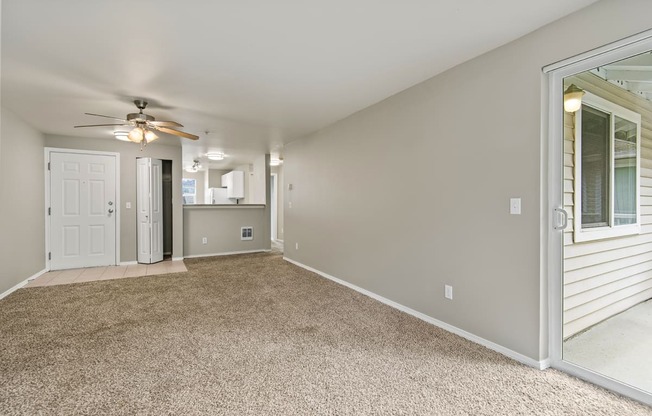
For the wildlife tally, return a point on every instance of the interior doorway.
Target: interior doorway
(167, 209)
(600, 239)
(154, 209)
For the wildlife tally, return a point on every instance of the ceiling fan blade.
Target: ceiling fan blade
(102, 125)
(165, 123)
(177, 133)
(100, 115)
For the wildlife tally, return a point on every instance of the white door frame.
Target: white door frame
(551, 199)
(274, 207)
(47, 152)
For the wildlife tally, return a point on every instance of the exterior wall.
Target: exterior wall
(413, 193)
(22, 201)
(605, 277)
(128, 154)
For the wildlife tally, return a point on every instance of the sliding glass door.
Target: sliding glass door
(600, 242)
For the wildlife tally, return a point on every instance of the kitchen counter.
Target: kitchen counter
(229, 206)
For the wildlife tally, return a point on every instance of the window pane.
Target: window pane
(624, 172)
(595, 168)
(188, 186)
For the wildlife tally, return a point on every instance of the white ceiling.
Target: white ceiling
(255, 74)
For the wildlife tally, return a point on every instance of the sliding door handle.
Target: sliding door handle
(564, 219)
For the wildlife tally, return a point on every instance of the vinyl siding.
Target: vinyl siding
(605, 277)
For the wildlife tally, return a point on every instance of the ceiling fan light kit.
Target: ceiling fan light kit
(143, 126)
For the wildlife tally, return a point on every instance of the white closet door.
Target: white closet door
(156, 211)
(83, 218)
(149, 205)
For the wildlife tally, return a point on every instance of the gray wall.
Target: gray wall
(221, 227)
(215, 177)
(22, 201)
(128, 154)
(413, 192)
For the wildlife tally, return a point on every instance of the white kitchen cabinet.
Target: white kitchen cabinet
(234, 183)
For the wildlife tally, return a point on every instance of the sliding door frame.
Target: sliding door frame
(553, 152)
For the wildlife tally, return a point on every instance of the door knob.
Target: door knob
(110, 211)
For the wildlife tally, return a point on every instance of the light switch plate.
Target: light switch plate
(128, 205)
(515, 206)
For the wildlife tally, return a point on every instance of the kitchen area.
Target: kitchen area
(229, 211)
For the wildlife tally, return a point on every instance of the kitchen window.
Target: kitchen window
(607, 170)
(189, 190)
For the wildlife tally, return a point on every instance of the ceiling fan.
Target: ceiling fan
(143, 126)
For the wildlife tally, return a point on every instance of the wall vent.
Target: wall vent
(247, 233)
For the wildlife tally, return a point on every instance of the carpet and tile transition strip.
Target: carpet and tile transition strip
(255, 335)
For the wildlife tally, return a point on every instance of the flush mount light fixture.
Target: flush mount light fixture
(195, 166)
(275, 162)
(121, 135)
(215, 155)
(573, 98)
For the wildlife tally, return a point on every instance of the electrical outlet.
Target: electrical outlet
(296, 246)
(290, 204)
(128, 205)
(204, 240)
(448, 292)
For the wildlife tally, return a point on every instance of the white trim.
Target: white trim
(443, 325)
(598, 53)
(552, 238)
(21, 284)
(177, 258)
(47, 151)
(274, 206)
(128, 263)
(228, 253)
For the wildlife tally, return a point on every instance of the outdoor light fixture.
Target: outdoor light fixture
(573, 98)
(215, 155)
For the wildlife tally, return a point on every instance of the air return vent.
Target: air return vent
(247, 233)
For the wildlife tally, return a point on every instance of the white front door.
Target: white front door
(82, 210)
(149, 187)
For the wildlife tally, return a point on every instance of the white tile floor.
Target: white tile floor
(61, 277)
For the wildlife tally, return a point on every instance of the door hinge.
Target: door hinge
(49, 211)
(50, 255)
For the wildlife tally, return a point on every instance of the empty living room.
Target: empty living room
(325, 208)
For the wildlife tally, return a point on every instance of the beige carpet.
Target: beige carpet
(254, 335)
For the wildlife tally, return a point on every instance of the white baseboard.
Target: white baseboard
(128, 263)
(21, 284)
(450, 328)
(177, 258)
(229, 253)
